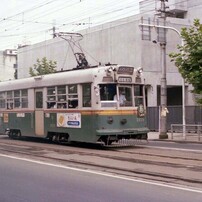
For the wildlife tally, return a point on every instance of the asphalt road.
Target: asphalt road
(175, 145)
(32, 181)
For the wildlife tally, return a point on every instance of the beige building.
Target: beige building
(8, 61)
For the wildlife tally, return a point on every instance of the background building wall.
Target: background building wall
(8, 59)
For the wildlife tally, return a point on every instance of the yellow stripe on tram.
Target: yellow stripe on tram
(110, 112)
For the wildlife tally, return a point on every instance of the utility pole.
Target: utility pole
(163, 107)
(54, 32)
(162, 39)
(54, 29)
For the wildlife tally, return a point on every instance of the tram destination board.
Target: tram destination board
(125, 70)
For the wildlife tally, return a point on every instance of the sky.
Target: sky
(26, 22)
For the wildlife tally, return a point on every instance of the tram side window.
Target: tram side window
(86, 92)
(61, 97)
(72, 96)
(51, 97)
(9, 100)
(16, 98)
(24, 98)
(2, 100)
(138, 93)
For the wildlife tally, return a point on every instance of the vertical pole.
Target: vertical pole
(161, 121)
(54, 29)
(163, 116)
(54, 35)
(183, 110)
(183, 98)
(198, 132)
(172, 131)
(163, 108)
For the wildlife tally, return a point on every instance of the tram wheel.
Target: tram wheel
(14, 134)
(107, 141)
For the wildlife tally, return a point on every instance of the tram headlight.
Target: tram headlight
(111, 69)
(110, 120)
(123, 121)
(139, 70)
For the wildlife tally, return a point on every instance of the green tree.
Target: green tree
(42, 67)
(189, 58)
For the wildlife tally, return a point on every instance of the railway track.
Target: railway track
(173, 167)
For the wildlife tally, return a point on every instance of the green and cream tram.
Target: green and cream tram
(100, 104)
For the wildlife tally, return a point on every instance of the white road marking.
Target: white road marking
(176, 149)
(105, 174)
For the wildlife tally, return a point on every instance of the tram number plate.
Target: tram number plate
(125, 79)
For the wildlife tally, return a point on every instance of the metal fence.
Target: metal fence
(188, 131)
(193, 116)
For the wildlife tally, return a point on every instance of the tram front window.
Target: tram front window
(111, 98)
(107, 91)
(124, 96)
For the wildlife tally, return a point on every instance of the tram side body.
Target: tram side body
(90, 124)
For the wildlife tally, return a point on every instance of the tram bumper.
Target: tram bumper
(117, 134)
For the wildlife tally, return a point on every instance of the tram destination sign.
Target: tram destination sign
(125, 70)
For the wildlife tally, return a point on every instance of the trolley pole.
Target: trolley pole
(163, 109)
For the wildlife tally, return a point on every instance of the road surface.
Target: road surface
(27, 180)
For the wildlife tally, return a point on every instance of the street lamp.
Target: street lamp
(183, 82)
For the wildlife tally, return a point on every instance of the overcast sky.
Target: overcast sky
(28, 22)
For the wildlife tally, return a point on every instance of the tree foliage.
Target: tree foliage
(42, 67)
(189, 58)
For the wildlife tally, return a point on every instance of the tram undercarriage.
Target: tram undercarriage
(58, 137)
(122, 139)
(105, 140)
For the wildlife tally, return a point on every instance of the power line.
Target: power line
(87, 18)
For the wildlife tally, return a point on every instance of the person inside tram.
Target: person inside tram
(122, 98)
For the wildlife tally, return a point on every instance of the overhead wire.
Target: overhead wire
(112, 11)
(96, 14)
(20, 25)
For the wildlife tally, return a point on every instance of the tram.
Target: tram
(101, 104)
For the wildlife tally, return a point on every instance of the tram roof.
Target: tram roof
(60, 78)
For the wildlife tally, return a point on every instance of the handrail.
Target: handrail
(199, 129)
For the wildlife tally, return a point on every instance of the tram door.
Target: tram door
(39, 114)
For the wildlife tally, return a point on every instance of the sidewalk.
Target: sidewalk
(190, 137)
